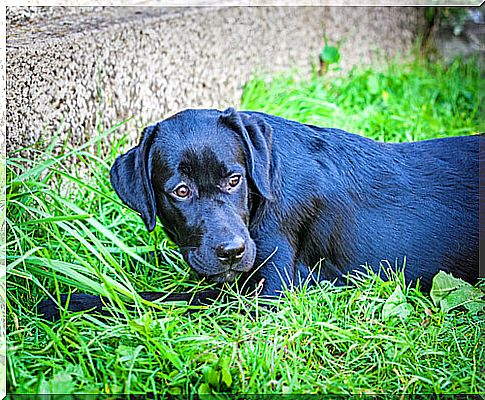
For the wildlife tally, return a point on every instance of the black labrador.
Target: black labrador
(258, 195)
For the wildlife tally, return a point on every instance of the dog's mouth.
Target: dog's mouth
(212, 269)
(226, 276)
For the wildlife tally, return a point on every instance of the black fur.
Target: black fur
(307, 196)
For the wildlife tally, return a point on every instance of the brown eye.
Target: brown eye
(233, 181)
(182, 192)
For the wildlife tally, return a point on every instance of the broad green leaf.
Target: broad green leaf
(204, 389)
(443, 285)
(214, 377)
(61, 383)
(449, 292)
(175, 391)
(396, 305)
(226, 376)
(330, 55)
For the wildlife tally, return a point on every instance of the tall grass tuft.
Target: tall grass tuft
(400, 102)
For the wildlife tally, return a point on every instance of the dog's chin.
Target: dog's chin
(226, 276)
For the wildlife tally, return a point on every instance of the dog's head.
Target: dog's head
(202, 172)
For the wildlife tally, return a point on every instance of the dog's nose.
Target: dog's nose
(231, 250)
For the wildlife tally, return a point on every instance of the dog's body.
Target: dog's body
(244, 191)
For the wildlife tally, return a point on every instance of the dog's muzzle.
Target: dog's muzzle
(225, 261)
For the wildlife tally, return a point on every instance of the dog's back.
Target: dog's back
(384, 201)
(434, 219)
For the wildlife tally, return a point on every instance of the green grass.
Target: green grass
(401, 102)
(67, 231)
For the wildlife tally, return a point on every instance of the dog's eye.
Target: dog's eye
(181, 192)
(233, 181)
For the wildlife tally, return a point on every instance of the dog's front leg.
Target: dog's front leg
(276, 262)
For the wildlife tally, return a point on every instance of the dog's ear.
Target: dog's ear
(256, 136)
(131, 179)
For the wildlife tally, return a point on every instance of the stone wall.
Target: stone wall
(74, 70)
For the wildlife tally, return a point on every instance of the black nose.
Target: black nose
(231, 250)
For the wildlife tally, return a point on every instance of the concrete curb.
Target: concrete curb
(74, 70)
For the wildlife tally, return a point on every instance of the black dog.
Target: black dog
(253, 194)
